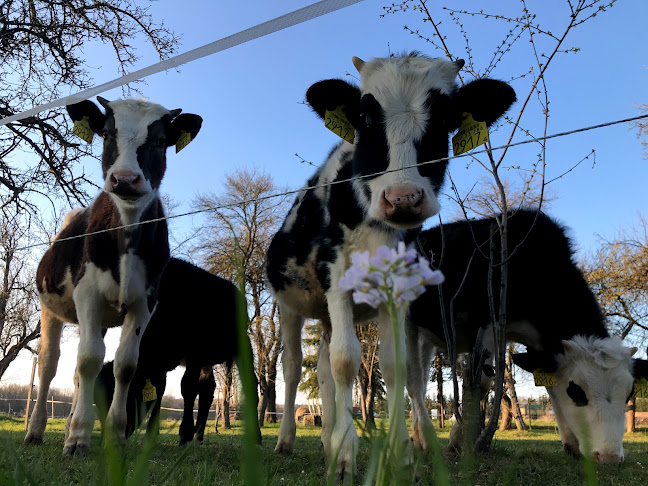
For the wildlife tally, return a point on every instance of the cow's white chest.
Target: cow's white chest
(364, 238)
(132, 273)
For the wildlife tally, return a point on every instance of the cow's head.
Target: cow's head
(136, 134)
(403, 113)
(595, 378)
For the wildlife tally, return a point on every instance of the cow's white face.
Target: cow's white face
(402, 110)
(135, 142)
(595, 381)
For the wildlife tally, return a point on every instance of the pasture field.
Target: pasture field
(530, 458)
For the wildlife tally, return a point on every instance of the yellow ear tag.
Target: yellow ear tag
(183, 140)
(471, 134)
(149, 392)
(541, 378)
(337, 122)
(641, 388)
(82, 129)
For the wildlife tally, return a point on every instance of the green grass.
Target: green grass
(528, 458)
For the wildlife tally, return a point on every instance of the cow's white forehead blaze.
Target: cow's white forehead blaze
(602, 368)
(132, 118)
(401, 86)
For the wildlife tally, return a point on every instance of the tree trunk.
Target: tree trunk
(630, 414)
(370, 421)
(227, 388)
(272, 393)
(505, 424)
(438, 364)
(510, 384)
(363, 395)
(263, 385)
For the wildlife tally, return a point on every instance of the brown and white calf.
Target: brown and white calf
(109, 278)
(403, 112)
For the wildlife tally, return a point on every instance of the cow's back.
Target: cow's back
(194, 319)
(59, 266)
(545, 287)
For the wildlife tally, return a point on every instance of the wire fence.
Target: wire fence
(341, 181)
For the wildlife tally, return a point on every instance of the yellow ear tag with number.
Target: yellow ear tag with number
(183, 140)
(641, 388)
(82, 129)
(337, 122)
(540, 378)
(149, 393)
(471, 134)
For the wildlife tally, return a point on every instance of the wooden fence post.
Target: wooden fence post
(31, 387)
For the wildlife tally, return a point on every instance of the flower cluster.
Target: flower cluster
(401, 274)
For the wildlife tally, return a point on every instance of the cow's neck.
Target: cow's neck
(131, 212)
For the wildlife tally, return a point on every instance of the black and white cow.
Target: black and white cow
(109, 278)
(550, 309)
(403, 113)
(194, 324)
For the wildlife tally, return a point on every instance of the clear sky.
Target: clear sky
(250, 99)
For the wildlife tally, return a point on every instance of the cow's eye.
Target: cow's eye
(366, 119)
(162, 142)
(577, 394)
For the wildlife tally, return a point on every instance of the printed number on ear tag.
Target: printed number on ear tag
(82, 129)
(183, 140)
(149, 393)
(337, 122)
(471, 134)
(540, 378)
(641, 388)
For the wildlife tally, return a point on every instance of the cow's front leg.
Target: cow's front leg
(291, 326)
(345, 354)
(89, 361)
(206, 388)
(390, 367)
(419, 356)
(49, 351)
(125, 364)
(326, 387)
(189, 389)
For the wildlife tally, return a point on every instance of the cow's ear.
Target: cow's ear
(486, 99)
(533, 361)
(331, 93)
(640, 368)
(183, 129)
(96, 119)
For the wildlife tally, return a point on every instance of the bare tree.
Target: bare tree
(642, 129)
(617, 273)
(369, 378)
(19, 323)
(241, 221)
(42, 57)
(522, 31)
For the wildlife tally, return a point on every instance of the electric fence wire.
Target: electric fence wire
(341, 181)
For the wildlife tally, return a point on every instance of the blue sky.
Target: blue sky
(250, 98)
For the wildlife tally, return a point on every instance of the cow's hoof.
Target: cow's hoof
(31, 439)
(76, 450)
(284, 448)
(344, 473)
(452, 452)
